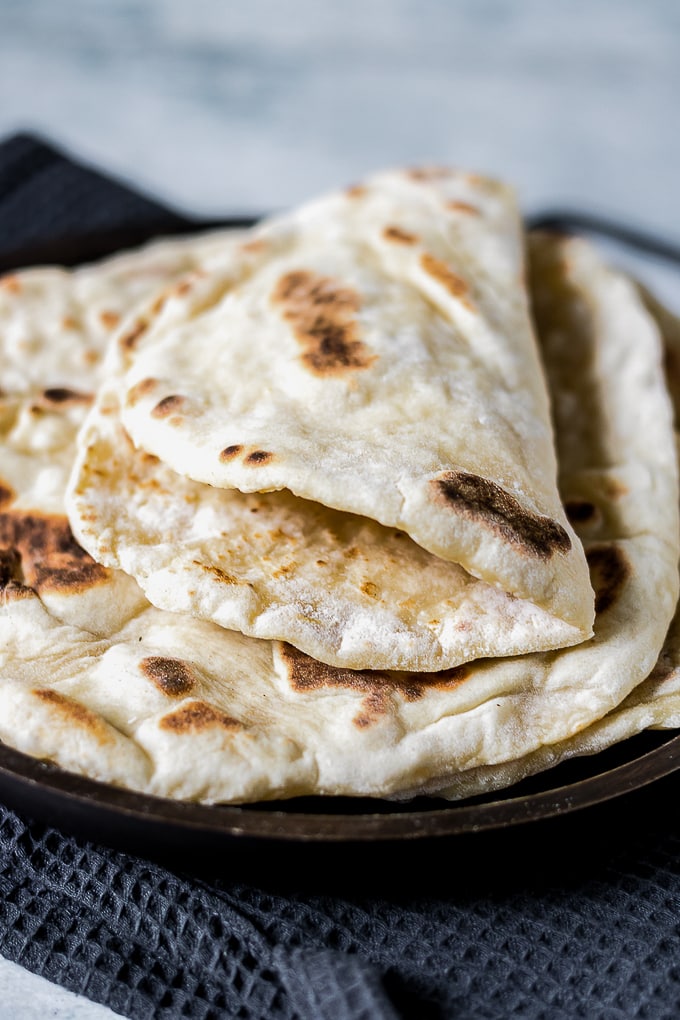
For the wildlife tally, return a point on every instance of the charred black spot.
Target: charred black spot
(230, 452)
(609, 571)
(50, 557)
(580, 511)
(307, 674)
(61, 395)
(12, 586)
(259, 457)
(171, 676)
(491, 506)
(167, 406)
(321, 312)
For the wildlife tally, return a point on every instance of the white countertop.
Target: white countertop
(224, 107)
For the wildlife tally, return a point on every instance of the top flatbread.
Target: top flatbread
(372, 352)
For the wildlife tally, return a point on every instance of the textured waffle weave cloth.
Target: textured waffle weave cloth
(578, 917)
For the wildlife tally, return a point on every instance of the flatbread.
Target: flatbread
(653, 704)
(172, 705)
(373, 352)
(55, 323)
(342, 588)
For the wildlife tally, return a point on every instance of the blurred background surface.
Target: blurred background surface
(248, 105)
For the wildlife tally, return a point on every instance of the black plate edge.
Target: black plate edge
(34, 785)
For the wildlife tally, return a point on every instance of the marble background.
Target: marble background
(227, 106)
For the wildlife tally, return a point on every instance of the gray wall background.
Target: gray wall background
(226, 105)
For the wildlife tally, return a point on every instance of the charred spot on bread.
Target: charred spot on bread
(321, 312)
(489, 505)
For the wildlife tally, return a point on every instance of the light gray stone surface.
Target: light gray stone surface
(223, 106)
(23, 996)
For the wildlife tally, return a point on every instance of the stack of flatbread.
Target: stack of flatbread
(379, 498)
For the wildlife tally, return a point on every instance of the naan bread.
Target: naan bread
(372, 352)
(653, 704)
(342, 588)
(172, 705)
(56, 323)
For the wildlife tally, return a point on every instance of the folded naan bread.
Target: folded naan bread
(173, 705)
(371, 359)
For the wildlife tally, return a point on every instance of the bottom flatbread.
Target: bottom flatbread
(97, 680)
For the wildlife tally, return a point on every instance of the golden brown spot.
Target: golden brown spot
(75, 712)
(168, 405)
(61, 395)
(7, 494)
(109, 319)
(230, 452)
(370, 589)
(483, 501)
(148, 459)
(321, 563)
(129, 340)
(615, 489)
(321, 312)
(50, 559)
(217, 572)
(399, 236)
(171, 676)
(464, 207)
(258, 457)
(446, 276)
(197, 716)
(160, 302)
(376, 687)
(11, 283)
(140, 390)
(609, 571)
(429, 173)
(182, 288)
(256, 246)
(68, 322)
(581, 511)
(356, 191)
(279, 535)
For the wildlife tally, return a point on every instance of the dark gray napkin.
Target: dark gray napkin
(580, 918)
